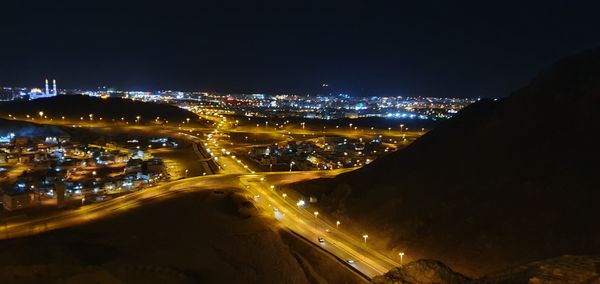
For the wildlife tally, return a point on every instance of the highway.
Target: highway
(283, 209)
(263, 188)
(304, 221)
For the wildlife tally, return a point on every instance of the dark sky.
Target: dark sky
(417, 47)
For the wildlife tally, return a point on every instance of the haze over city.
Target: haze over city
(311, 142)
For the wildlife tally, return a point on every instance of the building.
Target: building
(154, 166)
(37, 93)
(17, 200)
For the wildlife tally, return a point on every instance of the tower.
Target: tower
(54, 87)
(46, 87)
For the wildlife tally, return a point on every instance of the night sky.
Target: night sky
(427, 48)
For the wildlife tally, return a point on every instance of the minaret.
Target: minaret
(46, 87)
(54, 86)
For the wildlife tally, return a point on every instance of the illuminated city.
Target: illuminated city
(329, 142)
(317, 106)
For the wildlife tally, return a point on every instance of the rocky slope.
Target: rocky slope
(502, 183)
(565, 269)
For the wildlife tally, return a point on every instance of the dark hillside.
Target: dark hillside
(502, 183)
(75, 106)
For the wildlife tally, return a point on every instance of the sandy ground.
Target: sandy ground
(202, 237)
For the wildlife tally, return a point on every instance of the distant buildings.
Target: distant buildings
(37, 93)
(319, 106)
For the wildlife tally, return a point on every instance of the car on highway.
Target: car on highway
(321, 240)
(350, 261)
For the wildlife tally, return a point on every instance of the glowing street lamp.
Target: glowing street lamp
(41, 113)
(401, 254)
(291, 164)
(188, 120)
(365, 237)
(316, 214)
(337, 224)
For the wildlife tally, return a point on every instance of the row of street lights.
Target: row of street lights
(337, 225)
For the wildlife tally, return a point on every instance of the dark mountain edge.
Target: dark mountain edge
(564, 269)
(76, 106)
(502, 183)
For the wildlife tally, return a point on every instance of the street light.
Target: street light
(41, 113)
(401, 254)
(365, 237)
(316, 214)
(291, 164)
(337, 224)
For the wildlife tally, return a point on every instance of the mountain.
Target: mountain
(502, 183)
(75, 106)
